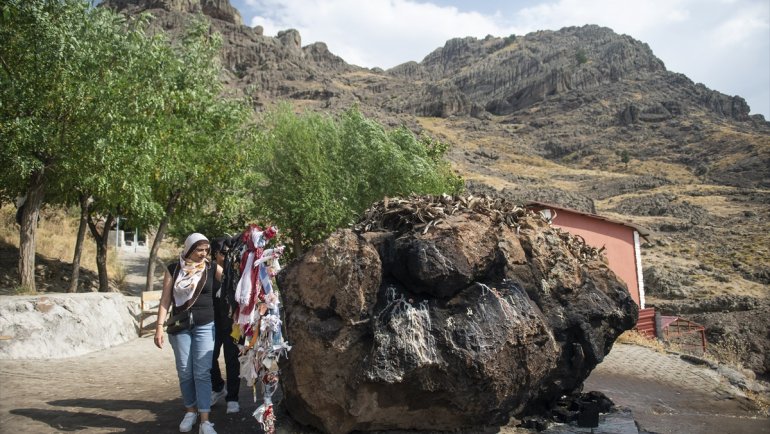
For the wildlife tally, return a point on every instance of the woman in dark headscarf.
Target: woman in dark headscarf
(189, 283)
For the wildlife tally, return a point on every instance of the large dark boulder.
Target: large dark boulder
(445, 315)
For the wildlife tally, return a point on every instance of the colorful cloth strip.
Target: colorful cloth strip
(257, 319)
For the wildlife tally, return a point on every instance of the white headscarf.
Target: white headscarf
(190, 272)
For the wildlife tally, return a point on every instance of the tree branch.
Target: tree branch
(7, 68)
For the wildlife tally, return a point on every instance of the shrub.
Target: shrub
(581, 56)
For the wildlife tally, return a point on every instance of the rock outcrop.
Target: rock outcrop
(509, 74)
(483, 313)
(574, 95)
(218, 9)
(64, 325)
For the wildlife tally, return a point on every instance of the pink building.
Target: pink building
(620, 240)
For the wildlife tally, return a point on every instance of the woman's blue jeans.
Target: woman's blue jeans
(193, 351)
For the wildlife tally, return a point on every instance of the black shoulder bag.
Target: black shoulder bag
(183, 320)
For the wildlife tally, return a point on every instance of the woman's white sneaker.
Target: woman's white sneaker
(233, 407)
(206, 428)
(188, 421)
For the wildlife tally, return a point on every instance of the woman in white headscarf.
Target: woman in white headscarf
(188, 282)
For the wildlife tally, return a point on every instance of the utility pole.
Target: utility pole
(117, 231)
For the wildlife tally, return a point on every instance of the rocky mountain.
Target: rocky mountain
(583, 117)
(217, 9)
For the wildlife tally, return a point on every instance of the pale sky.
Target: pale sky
(724, 44)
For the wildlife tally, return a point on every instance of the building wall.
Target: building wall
(618, 239)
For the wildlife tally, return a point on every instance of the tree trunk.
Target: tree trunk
(75, 279)
(297, 243)
(170, 206)
(28, 230)
(101, 249)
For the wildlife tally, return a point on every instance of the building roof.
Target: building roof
(641, 229)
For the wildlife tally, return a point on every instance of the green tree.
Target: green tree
(201, 132)
(113, 179)
(228, 211)
(581, 56)
(66, 67)
(625, 157)
(319, 173)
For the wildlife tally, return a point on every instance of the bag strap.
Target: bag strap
(198, 289)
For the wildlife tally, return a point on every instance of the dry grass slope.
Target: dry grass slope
(56, 235)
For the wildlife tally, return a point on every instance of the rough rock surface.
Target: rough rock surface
(543, 194)
(661, 282)
(662, 205)
(621, 185)
(532, 73)
(459, 326)
(219, 9)
(531, 92)
(65, 325)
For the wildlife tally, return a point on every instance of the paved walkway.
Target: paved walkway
(669, 395)
(132, 388)
(134, 261)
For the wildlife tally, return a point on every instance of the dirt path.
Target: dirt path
(132, 388)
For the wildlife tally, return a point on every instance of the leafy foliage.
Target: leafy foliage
(581, 56)
(93, 106)
(79, 95)
(90, 105)
(73, 100)
(625, 157)
(318, 173)
(201, 159)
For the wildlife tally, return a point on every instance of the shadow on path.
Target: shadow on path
(139, 416)
(74, 420)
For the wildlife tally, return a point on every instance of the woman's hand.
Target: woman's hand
(165, 302)
(159, 336)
